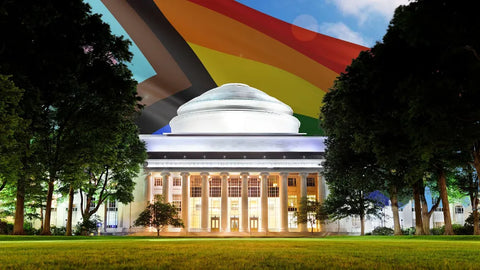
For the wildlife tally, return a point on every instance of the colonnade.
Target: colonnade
(244, 214)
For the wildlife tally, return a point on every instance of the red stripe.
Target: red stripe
(333, 53)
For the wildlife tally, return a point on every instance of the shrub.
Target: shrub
(6, 228)
(437, 231)
(457, 229)
(29, 229)
(382, 231)
(408, 231)
(58, 230)
(86, 227)
(462, 230)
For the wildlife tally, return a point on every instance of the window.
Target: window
(92, 203)
(292, 203)
(273, 186)
(112, 206)
(292, 182)
(215, 187)
(196, 186)
(234, 187)
(439, 209)
(310, 181)
(74, 208)
(177, 182)
(253, 187)
(157, 181)
(458, 209)
(177, 202)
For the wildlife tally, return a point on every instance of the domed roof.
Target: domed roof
(234, 108)
(237, 96)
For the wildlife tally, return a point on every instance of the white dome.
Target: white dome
(234, 108)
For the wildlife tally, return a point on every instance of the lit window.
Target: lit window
(215, 187)
(310, 181)
(234, 187)
(177, 202)
(112, 215)
(157, 181)
(273, 186)
(253, 187)
(196, 186)
(292, 203)
(292, 182)
(177, 182)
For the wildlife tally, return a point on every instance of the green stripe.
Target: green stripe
(309, 125)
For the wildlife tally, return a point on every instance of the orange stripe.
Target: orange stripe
(207, 28)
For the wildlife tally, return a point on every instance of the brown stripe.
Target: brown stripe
(169, 78)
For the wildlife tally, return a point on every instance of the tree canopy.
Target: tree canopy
(410, 102)
(80, 98)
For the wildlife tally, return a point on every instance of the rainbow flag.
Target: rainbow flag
(192, 46)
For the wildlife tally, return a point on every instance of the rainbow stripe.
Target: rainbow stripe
(195, 45)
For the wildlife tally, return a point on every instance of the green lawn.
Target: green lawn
(434, 252)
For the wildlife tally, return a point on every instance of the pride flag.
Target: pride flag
(192, 46)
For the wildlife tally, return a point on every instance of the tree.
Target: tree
(159, 215)
(75, 80)
(112, 177)
(310, 212)
(10, 125)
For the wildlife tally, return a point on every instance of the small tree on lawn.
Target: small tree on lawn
(310, 212)
(159, 215)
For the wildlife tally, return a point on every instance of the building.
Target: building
(233, 163)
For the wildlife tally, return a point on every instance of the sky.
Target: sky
(363, 22)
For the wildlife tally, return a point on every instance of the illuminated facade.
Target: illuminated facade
(235, 162)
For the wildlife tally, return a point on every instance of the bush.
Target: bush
(408, 231)
(457, 229)
(6, 228)
(58, 230)
(86, 227)
(29, 229)
(382, 231)
(462, 230)
(437, 231)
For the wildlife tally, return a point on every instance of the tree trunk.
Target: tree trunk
(397, 230)
(158, 232)
(418, 210)
(105, 213)
(425, 217)
(41, 218)
(48, 208)
(20, 206)
(476, 230)
(362, 225)
(71, 194)
(442, 186)
(476, 164)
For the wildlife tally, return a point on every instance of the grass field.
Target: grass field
(433, 252)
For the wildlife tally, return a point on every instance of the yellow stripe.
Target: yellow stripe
(302, 96)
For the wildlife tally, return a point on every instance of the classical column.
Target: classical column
(244, 218)
(321, 187)
(185, 200)
(303, 194)
(149, 188)
(204, 201)
(283, 202)
(224, 203)
(165, 191)
(264, 201)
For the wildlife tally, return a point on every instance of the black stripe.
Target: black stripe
(159, 114)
